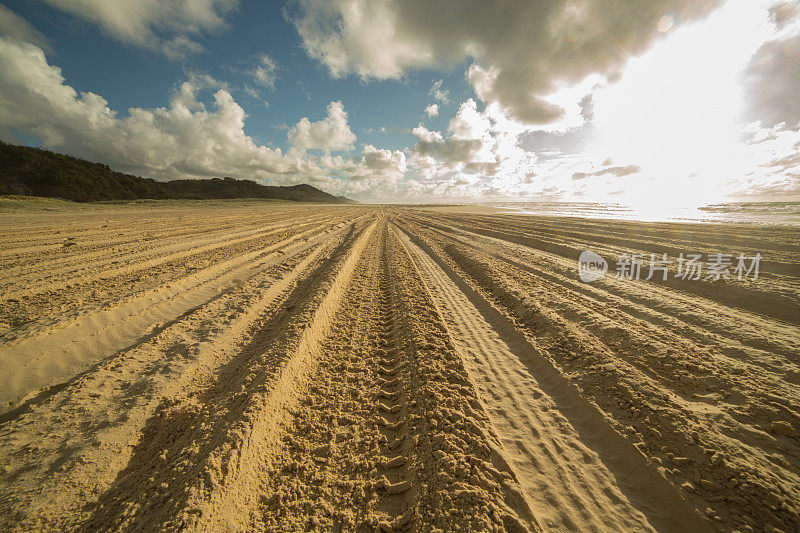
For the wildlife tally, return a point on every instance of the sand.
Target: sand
(258, 365)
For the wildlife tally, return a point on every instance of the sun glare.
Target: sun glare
(677, 110)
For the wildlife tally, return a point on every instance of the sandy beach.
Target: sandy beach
(213, 365)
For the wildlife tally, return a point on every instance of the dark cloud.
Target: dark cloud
(587, 108)
(772, 82)
(571, 141)
(783, 13)
(524, 47)
(449, 151)
(610, 171)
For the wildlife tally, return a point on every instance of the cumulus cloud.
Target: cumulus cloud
(331, 133)
(188, 138)
(15, 27)
(541, 45)
(383, 159)
(470, 141)
(186, 93)
(375, 174)
(168, 26)
(451, 152)
(552, 144)
(610, 171)
(379, 168)
(182, 140)
(527, 106)
(478, 155)
(432, 110)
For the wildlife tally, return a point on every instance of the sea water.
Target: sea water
(744, 212)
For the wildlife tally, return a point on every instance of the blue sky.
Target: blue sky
(129, 76)
(542, 100)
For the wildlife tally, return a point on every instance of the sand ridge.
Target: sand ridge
(266, 366)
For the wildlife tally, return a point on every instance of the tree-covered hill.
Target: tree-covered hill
(39, 172)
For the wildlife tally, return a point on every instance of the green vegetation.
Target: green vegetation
(37, 172)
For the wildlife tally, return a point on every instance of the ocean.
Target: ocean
(787, 213)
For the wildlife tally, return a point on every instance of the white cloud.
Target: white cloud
(542, 45)
(677, 114)
(331, 133)
(265, 71)
(182, 140)
(671, 121)
(375, 174)
(379, 169)
(185, 139)
(186, 94)
(773, 164)
(478, 155)
(451, 152)
(252, 93)
(15, 27)
(442, 95)
(382, 159)
(168, 26)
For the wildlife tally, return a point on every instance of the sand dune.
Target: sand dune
(251, 365)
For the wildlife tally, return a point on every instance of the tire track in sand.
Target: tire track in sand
(342, 464)
(723, 458)
(59, 353)
(390, 436)
(578, 472)
(201, 459)
(155, 257)
(393, 511)
(92, 424)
